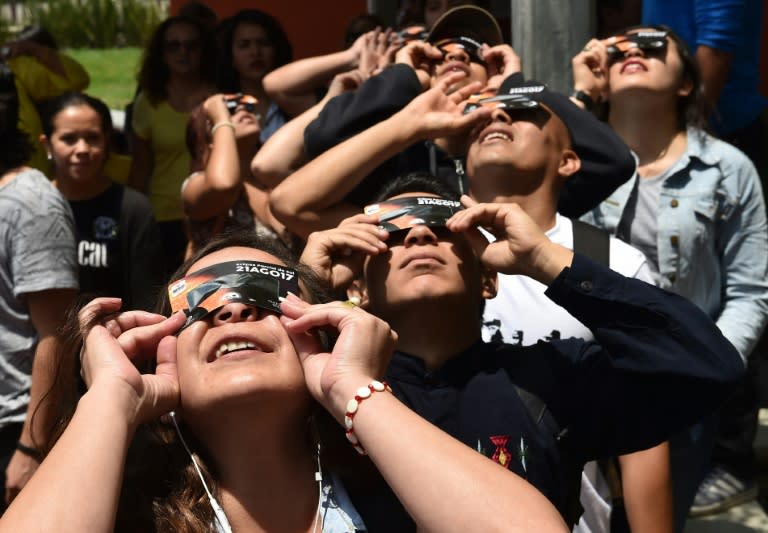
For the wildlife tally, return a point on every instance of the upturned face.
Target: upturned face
(246, 121)
(456, 59)
(515, 151)
(238, 354)
(641, 71)
(422, 263)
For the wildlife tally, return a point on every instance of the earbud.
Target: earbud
(221, 518)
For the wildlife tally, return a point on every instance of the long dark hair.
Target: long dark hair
(161, 490)
(37, 34)
(154, 74)
(198, 138)
(227, 78)
(16, 148)
(185, 507)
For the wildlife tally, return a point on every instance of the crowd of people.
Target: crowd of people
(397, 287)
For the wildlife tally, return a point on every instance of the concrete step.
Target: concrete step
(750, 516)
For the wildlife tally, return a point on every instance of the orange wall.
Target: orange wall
(312, 26)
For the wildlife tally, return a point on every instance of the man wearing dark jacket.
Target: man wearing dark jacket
(657, 363)
(609, 163)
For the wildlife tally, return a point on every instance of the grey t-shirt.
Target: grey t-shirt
(639, 225)
(37, 253)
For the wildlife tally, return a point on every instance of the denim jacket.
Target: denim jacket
(712, 235)
(337, 513)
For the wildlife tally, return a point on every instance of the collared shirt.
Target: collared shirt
(658, 365)
(274, 120)
(712, 235)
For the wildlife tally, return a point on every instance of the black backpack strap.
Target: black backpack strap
(534, 405)
(570, 474)
(592, 241)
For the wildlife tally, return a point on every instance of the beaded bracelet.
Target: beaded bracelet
(363, 393)
(223, 123)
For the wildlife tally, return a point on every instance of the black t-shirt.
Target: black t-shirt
(118, 247)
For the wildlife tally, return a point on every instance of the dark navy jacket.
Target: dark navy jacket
(658, 364)
(606, 160)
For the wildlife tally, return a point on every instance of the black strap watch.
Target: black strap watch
(585, 99)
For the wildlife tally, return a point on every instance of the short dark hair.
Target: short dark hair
(53, 107)
(360, 25)
(416, 182)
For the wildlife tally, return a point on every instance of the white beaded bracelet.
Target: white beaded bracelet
(363, 393)
(222, 124)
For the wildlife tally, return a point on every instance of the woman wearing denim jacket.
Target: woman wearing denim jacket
(695, 208)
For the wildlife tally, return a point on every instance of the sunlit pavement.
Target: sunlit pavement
(750, 516)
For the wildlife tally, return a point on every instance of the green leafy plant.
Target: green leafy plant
(97, 23)
(139, 20)
(5, 30)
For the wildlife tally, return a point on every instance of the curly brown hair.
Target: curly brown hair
(154, 74)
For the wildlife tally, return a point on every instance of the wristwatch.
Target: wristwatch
(585, 99)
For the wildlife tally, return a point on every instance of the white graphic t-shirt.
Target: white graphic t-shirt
(521, 314)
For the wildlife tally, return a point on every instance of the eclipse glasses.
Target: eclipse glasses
(202, 292)
(403, 213)
(246, 101)
(647, 41)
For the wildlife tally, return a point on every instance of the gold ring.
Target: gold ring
(349, 303)
(586, 48)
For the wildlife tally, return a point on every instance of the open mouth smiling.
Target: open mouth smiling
(633, 65)
(232, 347)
